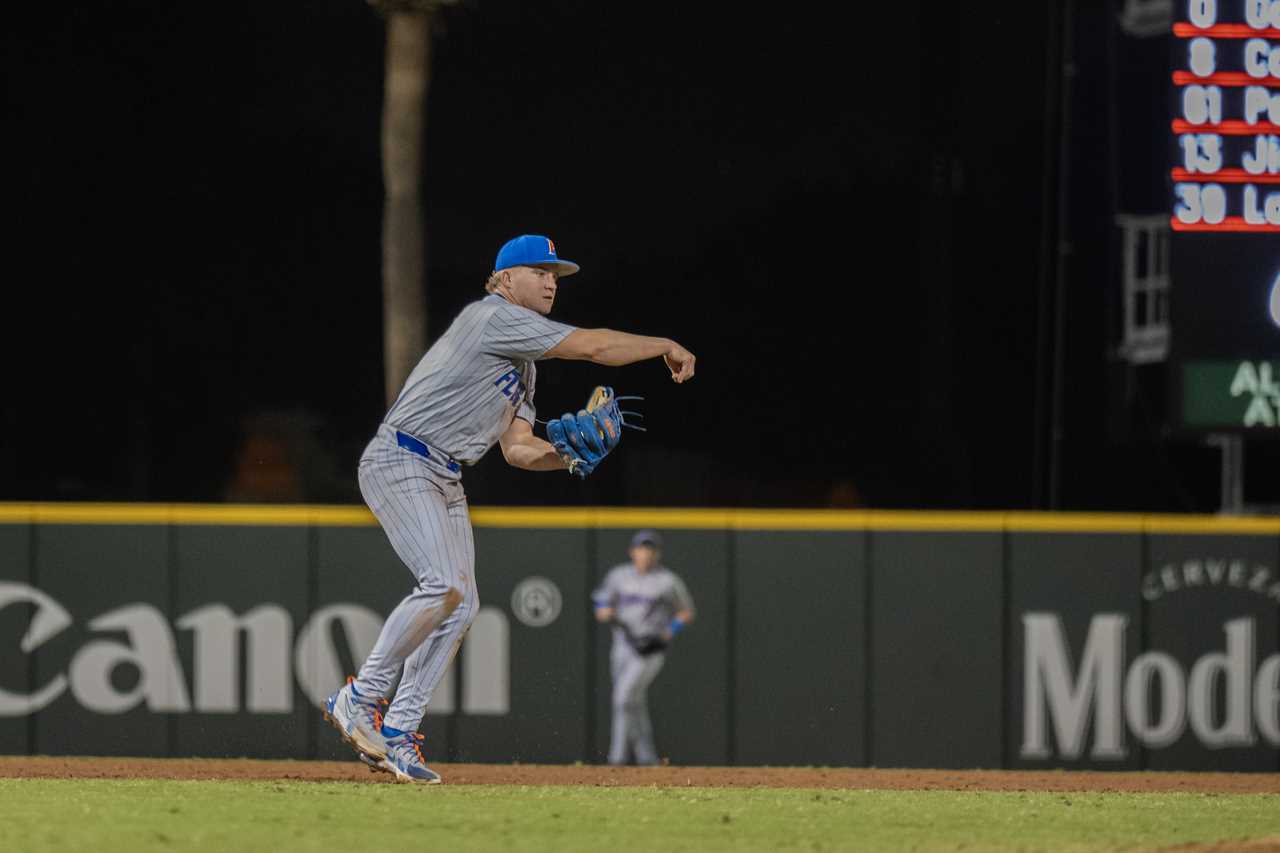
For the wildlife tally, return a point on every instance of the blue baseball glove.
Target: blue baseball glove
(583, 439)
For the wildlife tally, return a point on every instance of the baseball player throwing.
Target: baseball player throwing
(647, 604)
(472, 389)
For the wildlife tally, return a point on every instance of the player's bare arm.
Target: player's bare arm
(604, 614)
(614, 349)
(522, 449)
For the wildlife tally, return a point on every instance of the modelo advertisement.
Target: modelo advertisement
(1184, 673)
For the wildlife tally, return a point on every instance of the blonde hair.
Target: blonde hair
(495, 279)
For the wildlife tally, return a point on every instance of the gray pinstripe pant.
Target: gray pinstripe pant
(632, 731)
(424, 512)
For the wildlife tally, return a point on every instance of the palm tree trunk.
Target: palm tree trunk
(404, 311)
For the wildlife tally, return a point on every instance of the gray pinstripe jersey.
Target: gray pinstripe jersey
(476, 379)
(645, 602)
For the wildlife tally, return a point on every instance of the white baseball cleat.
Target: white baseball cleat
(358, 719)
(404, 760)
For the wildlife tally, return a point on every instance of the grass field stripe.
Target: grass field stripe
(327, 515)
(279, 812)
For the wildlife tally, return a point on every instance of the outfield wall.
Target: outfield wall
(824, 637)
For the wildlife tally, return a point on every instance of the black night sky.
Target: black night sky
(840, 214)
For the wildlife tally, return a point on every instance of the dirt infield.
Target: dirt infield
(43, 767)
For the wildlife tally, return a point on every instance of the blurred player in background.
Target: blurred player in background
(648, 605)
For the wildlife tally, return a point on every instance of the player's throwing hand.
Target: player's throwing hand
(680, 362)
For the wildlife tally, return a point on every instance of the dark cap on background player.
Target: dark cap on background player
(649, 538)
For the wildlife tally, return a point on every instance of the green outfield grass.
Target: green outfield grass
(37, 816)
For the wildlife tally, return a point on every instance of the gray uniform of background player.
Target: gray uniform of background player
(645, 603)
(459, 400)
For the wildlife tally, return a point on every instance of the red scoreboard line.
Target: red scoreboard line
(1231, 127)
(1223, 176)
(1184, 30)
(1225, 78)
(1231, 223)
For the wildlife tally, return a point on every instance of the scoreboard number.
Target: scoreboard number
(1203, 13)
(1202, 104)
(1201, 152)
(1201, 203)
(1202, 56)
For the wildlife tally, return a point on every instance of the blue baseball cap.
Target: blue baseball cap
(532, 250)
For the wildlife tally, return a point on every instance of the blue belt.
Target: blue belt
(412, 445)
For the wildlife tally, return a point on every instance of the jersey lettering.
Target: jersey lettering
(460, 396)
(512, 386)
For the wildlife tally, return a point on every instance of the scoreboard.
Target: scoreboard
(1225, 216)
